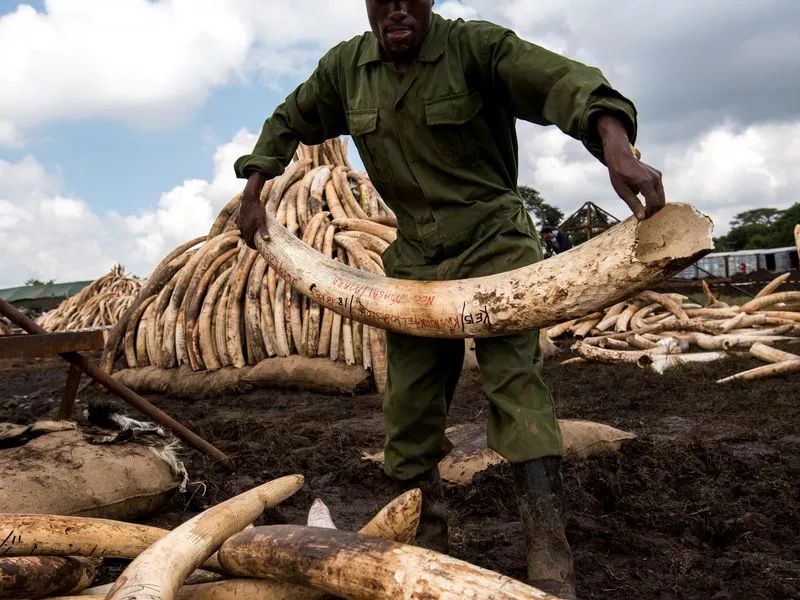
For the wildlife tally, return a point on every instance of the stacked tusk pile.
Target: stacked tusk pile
(658, 331)
(317, 287)
(100, 304)
(216, 303)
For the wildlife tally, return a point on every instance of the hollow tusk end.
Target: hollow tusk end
(677, 233)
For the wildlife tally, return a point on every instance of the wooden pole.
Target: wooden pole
(128, 395)
(70, 391)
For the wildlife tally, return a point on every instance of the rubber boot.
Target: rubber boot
(542, 506)
(432, 531)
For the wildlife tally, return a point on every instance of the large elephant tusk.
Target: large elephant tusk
(779, 368)
(797, 238)
(56, 535)
(360, 567)
(623, 260)
(158, 572)
(42, 576)
(770, 354)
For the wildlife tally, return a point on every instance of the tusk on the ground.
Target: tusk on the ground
(160, 570)
(354, 566)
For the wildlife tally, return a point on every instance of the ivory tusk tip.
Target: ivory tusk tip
(280, 489)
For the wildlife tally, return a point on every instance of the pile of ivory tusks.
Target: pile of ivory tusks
(659, 331)
(99, 304)
(220, 548)
(213, 302)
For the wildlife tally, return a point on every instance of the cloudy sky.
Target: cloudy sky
(119, 121)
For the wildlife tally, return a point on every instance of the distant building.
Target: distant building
(42, 297)
(728, 264)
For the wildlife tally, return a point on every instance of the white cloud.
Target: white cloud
(10, 135)
(47, 235)
(725, 170)
(455, 9)
(731, 169)
(151, 62)
(720, 124)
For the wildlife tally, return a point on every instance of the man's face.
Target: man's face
(400, 26)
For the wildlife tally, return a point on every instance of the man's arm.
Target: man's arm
(311, 114)
(548, 89)
(629, 176)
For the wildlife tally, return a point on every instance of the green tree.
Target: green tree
(757, 216)
(546, 214)
(38, 282)
(782, 232)
(761, 228)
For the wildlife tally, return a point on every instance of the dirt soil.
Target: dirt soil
(705, 504)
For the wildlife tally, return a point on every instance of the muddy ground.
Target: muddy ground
(705, 504)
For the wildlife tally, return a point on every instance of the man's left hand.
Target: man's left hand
(629, 176)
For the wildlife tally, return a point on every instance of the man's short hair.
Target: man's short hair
(547, 230)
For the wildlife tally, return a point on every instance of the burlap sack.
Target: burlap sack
(470, 454)
(290, 372)
(61, 473)
(309, 374)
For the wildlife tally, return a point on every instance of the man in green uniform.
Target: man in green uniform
(432, 106)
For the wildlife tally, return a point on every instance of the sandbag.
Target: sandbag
(43, 576)
(583, 439)
(183, 382)
(309, 374)
(470, 454)
(285, 372)
(62, 473)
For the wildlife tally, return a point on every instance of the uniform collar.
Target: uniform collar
(432, 48)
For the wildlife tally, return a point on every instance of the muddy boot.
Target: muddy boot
(542, 506)
(432, 531)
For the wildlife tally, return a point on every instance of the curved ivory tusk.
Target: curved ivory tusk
(320, 516)
(158, 572)
(797, 238)
(781, 368)
(610, 356)
(358, 567)
(773, 285)
(665, 301)
(623, 260)
(770, 300)
(56, 535)
(768, 354)
(660, 364)
(396, 521)
(41, 576)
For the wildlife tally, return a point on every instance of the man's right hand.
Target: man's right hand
(252, 219)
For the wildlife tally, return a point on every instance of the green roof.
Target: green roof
(47, 290)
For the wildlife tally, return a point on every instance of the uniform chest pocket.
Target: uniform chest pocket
(363, 126)
(449, 121)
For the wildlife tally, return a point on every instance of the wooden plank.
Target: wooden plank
(37, 345)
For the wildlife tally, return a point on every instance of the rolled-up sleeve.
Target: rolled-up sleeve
(310, 114)
(549, 89)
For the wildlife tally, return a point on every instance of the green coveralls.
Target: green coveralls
(439, 143)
